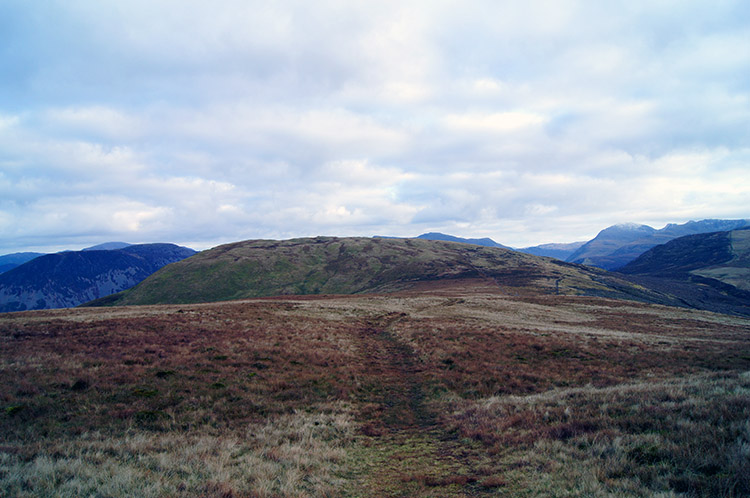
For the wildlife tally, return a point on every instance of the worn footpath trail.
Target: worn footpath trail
(404, 450)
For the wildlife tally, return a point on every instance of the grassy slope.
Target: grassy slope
(709, 271)
(683, 255)
(327, 265)
(735, 271)
(453, 388)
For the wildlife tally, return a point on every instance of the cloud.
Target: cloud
(499, 122)
(99, 122)
(526, 122)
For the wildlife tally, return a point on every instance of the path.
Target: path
(404, 450)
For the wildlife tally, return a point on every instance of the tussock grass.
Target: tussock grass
(455, 390)
(686, 437)
(293, 455)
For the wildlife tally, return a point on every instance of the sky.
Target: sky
(201, 123)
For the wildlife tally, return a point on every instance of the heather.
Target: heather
(446, 389)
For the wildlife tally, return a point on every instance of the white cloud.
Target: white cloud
(499, 122)
(360, 172)
(286, 132)
(98, 121)
(7, 122)
(523, 121)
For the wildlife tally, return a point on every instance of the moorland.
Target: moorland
(460, 384)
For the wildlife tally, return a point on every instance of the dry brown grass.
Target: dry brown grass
(289, 456)
(451, 390)
(689, 436)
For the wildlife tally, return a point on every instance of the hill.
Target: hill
(10, 261)
(453, 388)
(555, 250)
(735, 270)
(74, 277)
(108, 246)
(704, 267)
(618, 245)
(330, 265)
(486, 241)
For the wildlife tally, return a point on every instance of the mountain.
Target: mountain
(330, 265)
(618, 245)
(557, 251)
(722, 256)
(486, 241)
(693, 253)
(10, 261)
(705, 226)
(108, 246)
(734, 271)
(709, 266)
(614, 245)
(70, 278)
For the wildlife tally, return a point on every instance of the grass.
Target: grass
(298, 454)
(687, 436)
(445, 390)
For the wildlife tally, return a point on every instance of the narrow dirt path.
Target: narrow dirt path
(404, 450)
(395, 385)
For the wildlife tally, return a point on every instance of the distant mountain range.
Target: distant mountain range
(10, 261)
(73, 277)
(709, 267)
(613, 247)
(486, 242)
(618, 245)
(35, 281)
(108, 246)
(557, 251)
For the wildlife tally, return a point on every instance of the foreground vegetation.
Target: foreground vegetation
(453, 389)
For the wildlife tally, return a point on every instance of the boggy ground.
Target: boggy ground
(451, 389)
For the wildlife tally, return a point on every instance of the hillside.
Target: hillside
(74, 277)
(486, 241)
(454, 388)
(691, 253)
(330, 265)
(736, 270)
(555, 250)
(10, 261)
(108, 246)
(618, 245)
(697, 268)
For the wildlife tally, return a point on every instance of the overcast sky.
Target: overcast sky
(528, 122)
